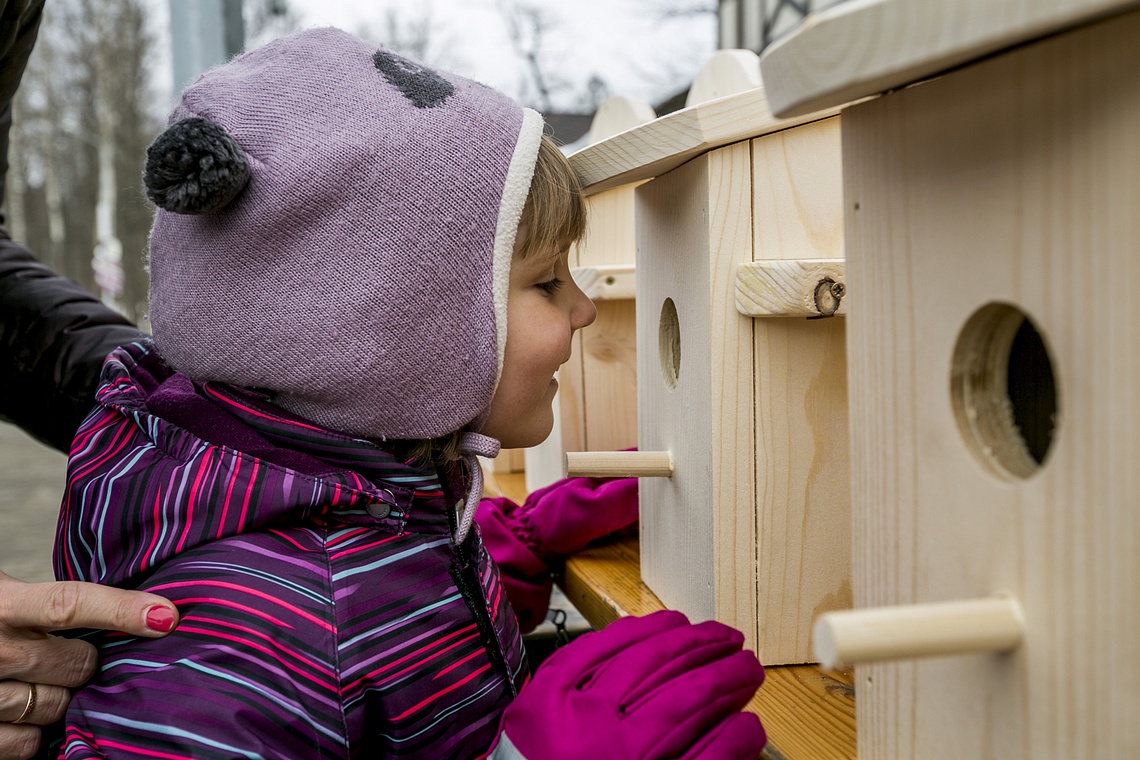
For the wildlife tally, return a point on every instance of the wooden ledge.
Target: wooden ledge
(653, 148)
(809, 713)
(856, 50)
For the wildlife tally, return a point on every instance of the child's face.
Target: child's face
(544, 308)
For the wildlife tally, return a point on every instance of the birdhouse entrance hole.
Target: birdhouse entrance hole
(669, 344)
(1003, 389)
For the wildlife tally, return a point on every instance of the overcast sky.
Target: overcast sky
(625, 42)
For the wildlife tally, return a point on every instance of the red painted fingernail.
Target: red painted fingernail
(159, 618)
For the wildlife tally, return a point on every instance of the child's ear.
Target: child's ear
(194, 167)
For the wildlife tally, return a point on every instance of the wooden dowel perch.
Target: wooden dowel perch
(619, 464)
(854, 637)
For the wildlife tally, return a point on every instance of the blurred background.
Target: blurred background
(104, 74)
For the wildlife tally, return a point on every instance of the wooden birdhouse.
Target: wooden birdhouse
(741, 395)
(992, 236)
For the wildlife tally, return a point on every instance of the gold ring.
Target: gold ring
(30, 706)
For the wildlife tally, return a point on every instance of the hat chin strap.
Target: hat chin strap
(472, 445)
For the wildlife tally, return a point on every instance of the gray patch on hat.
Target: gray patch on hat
(422, 86)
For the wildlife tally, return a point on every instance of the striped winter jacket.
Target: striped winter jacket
(325, 611)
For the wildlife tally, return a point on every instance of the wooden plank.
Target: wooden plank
(606, 282)
(571, 402)
(608, 348)
(610, 377)
(695, 388)
(668, 141)
(604, 582)
(603, 356)
(800, 396)
(802, 482)
(509, 460)
(805, 288)
(809, 713)
(797, 208)
(543, 463)
(861, 49)
(1010, 184)
(602, 367)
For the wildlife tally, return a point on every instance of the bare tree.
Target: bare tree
(673, 66)
(417, 35)
(81, 125)
(528, 27)
(266, 20)
(595, 94)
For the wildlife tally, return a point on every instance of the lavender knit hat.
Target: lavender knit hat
(336, 225)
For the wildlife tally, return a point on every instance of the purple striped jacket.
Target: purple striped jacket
(325, 610)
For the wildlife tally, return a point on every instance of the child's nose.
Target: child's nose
(584, 311)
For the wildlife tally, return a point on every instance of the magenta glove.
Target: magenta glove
(568, 514)
(553, 522)
(646, 688)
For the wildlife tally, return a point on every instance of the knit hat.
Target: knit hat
(336, 226)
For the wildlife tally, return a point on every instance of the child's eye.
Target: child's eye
(550, 285)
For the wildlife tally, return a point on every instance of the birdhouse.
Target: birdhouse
(992, 236)
(741, 378)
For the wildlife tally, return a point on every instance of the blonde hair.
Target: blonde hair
(555, 212)
(553, 218)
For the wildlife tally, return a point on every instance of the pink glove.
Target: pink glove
(553, 521)
(644, 688)
(568, 514)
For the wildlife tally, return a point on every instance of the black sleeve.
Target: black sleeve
(19, 24)
(54, 336)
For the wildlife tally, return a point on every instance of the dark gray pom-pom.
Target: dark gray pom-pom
(194, 167)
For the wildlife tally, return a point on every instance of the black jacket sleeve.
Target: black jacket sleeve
(19, 23)
(54, 336)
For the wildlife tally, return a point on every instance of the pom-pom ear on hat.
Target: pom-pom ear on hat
(194, 167)
(361, 276)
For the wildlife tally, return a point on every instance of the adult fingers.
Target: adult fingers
(33, 657)
(38, 704)
(18, 742)
(737, 737)
(69, 604)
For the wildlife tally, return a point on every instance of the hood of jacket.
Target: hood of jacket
(164, 464)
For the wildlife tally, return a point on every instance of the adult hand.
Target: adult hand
(644, 688)
(37, 669)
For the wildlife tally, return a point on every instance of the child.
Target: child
(358, 284)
